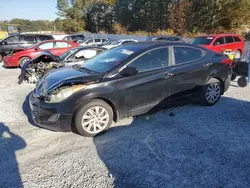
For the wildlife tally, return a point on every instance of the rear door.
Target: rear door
(189, 69)
(230, 44)
(146, 89)
(29, 40)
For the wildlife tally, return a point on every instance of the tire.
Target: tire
(22, 61)
(242, 81)
(233, 77)
(210, 94)
(92, 125)
(237, 54)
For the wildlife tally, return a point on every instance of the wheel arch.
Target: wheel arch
(215, 80)
(110, 103)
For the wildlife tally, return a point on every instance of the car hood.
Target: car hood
(64, 76)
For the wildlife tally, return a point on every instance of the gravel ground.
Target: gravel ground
(198, 147)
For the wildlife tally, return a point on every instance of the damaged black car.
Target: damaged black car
(126, 81)
(36, 68)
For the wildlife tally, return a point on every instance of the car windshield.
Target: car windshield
(203, 40)
(68, 53)
(108, 60)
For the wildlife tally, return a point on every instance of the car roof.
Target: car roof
(89, 47)
(219, 35)
(30, 35)
(155, 44)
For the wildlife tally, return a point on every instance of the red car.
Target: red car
(57, 47)
(221, 42)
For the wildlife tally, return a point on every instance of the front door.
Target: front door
(146, 89)
(12, 42)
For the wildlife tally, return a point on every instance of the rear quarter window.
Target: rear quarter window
(44, 37)
(236, 39)
(186, 54)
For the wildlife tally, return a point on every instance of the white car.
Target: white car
(119, 42)
(93, 42)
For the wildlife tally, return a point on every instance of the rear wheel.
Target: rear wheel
(210, 94)
(93, 118)
(23, 60)
(242, 81)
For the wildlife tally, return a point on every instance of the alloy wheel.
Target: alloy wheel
(95, 120)
(213, 93)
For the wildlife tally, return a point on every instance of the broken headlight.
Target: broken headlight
(63, 93)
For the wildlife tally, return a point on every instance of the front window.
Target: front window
(154, 59)
(13, 40)
(203, 40)
(108, 60)
(46, 46)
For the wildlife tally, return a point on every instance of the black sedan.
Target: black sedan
(126, 81)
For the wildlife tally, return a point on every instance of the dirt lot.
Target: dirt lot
(198, 147)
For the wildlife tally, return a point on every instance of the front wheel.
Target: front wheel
(210, 94)
(93, 118)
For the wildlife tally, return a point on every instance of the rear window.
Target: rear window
(44, 37)
(62, 45)
(229, 39)
(203, 40)
(28, 38)
(236, 39)
(186, 54)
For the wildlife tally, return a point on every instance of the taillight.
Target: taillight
(227, 61)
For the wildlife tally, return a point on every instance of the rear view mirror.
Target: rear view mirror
(129, 71)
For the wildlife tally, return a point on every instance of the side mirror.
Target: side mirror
(36, 49)
(129, 71)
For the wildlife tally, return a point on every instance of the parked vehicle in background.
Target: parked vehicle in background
(56, 47)
(107, 42)
(37, 67)
(127, 81)
(119, 43)
(21, 41)
(77, 38)
(168, 38)
(93, 41)
(221, 42)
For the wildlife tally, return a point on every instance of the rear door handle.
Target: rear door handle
(168, 75)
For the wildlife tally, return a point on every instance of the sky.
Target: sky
(28, 9)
